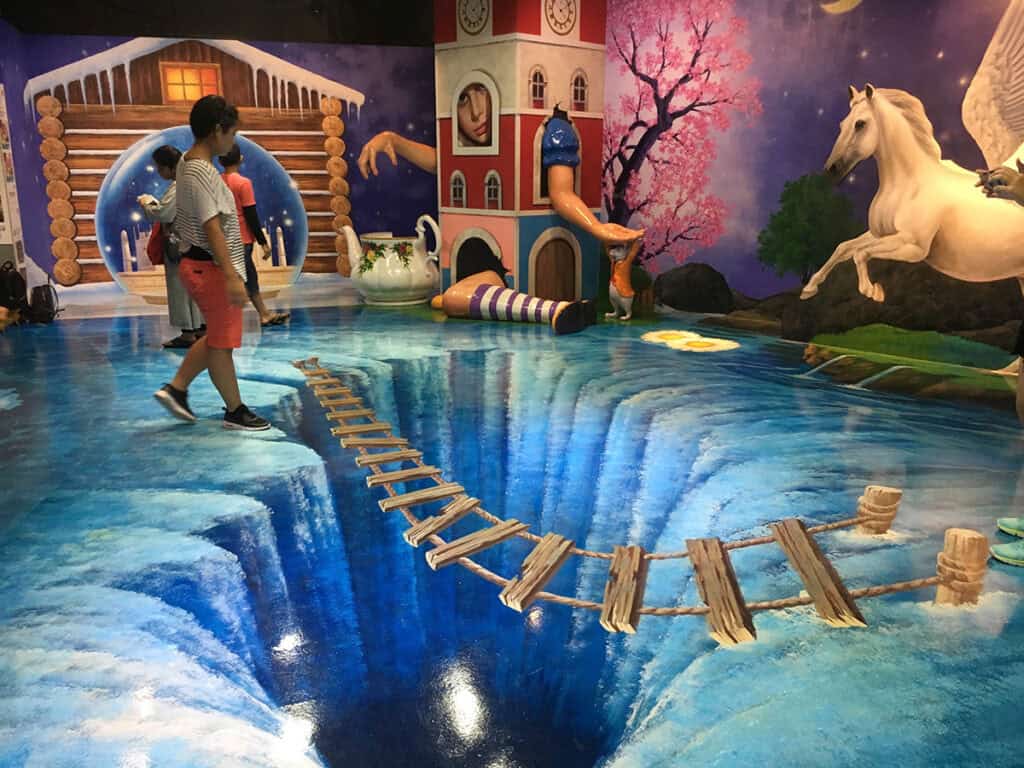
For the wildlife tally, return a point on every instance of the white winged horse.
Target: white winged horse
(926, 208)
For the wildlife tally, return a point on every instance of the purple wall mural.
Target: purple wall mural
(397, 82)
(804, 58)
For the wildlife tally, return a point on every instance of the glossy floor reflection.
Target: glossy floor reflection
(175, 595)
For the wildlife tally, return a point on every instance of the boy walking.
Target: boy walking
(249, 224)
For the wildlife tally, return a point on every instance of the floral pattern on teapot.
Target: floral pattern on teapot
(373, 251)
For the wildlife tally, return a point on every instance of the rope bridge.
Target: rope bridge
(959, 573)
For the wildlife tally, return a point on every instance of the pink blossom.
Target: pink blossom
(681, 65)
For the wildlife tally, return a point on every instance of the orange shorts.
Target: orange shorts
(205, 284)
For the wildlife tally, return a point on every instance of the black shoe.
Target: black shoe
(590, 311)
(175, 401)
(571, 319)
(244, 419)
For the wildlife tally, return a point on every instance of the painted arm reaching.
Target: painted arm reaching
(395, 146)
(561, 155)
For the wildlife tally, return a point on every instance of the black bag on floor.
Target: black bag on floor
(13, 292)
(45, 304)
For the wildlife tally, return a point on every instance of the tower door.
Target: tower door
(556, 271)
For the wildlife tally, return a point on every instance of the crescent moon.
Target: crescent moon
(840, 6)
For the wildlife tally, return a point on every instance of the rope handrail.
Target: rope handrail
(683, 610)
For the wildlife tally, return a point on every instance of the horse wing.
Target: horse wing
(993, 108)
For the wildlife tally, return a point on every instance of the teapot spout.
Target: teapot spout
(355, 248)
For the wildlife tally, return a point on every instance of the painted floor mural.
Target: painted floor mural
(193, 597)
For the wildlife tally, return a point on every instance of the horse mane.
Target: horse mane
(913, 112)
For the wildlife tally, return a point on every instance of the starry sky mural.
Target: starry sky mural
(396, 81)
(804, 58)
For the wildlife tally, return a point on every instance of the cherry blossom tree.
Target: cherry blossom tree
(682, 66)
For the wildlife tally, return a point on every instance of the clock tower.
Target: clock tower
(501, 67)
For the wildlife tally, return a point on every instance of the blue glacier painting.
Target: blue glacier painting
(180, 595)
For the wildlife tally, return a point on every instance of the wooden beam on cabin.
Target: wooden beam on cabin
(421, 496)
(624, 591)
(401, 475)
(831, 598)
(358, 429)
(469, 545)
(447, 517)
(729, 620)
(351, 413)
(387, 457)
(539, 567)
(373, 442)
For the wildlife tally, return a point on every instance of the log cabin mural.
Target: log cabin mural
(99, 113)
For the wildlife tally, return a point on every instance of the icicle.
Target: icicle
(110, 83)
(128, 79)
(255, 86)
(85, 98)
(282, 256)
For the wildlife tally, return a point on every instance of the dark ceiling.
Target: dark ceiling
(372, 22)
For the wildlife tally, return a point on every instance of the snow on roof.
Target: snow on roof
(284, 72)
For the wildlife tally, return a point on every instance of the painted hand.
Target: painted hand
(382, 142)
(616, 233)
(1003, 182)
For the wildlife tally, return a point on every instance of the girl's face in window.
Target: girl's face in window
(474, 110)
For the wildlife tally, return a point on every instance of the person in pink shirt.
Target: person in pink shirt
(249, 223)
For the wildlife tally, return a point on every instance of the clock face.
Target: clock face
(561, 15)
(473, 15)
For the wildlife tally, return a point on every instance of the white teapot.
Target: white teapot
(394, 271)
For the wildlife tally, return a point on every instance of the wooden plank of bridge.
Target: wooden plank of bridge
(624, 592)
(315, 373)
(401, 475)
(447, 517)
(729, 619)
(421, 496)
(823, 584)
(538, 569)
(358, 429)
(341, 401)
(469, 545)
(373, 442)
(387, 457)
(351, 413)
(333, 391)
(316, 384)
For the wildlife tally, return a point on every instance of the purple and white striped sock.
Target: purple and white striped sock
(492, 302)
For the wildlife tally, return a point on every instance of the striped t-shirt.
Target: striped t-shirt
(201, 194)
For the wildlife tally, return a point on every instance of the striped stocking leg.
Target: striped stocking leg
(493, 302)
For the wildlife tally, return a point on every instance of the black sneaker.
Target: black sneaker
(244, 419)
(175, 401)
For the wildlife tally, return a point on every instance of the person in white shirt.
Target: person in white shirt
(183, 311)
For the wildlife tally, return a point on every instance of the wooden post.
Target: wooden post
(877, 509)
(961, 567)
